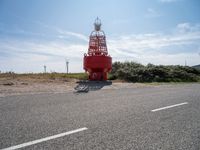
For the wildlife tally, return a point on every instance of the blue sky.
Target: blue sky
(34, 33)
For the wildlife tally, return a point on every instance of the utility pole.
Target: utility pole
(185, 62)
(67, 66)
(45, 69)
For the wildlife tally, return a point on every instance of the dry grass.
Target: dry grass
(49, 77)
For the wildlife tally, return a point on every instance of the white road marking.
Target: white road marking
(154, 110)
(44, 139)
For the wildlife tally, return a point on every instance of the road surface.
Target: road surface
(144, 118)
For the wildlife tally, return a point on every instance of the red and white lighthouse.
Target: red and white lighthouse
(97, 62)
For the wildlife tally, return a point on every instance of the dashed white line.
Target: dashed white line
(167, 107)
(44, 139)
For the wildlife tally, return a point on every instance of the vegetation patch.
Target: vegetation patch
(50, 76)
(135, 72)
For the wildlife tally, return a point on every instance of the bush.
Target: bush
(135, 72)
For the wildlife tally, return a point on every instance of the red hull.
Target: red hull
(97, 66)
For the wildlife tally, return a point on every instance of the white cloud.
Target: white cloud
(168, 1)
(77, 35)
(62, 32)
(53, 32)
(152, 13)
(35, 53)
(29, 56)
(139, 43)
(188, 27)
(120, 21)
(158, 48)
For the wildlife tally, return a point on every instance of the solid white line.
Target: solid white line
(154, 110)
(44, 139)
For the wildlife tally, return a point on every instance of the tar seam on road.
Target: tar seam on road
(167, 107)
(44, 139)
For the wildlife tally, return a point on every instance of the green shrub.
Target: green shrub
(135, 72)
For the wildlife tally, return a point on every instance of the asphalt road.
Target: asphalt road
(114, 119)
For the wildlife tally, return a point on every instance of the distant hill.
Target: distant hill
(196, 66)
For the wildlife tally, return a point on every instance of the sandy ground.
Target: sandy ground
(18, 86)
(27, 86)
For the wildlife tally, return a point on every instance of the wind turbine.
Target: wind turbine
(67, 65)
